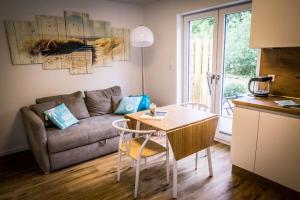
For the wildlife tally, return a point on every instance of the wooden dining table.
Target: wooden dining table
(188, 131)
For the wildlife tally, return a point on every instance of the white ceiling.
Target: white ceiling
(137, 2)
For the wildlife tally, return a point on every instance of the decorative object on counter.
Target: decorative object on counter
(288, 104)
(73, 42)
(260, 86)
(142, 37)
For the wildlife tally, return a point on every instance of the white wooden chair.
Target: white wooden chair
(138, 148)
(204, 108)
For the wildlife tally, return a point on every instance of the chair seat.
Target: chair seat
(152, 148)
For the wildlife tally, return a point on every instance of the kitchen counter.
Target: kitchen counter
(267, 104)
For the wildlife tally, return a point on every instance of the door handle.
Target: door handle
(210, 77)
(217, 78)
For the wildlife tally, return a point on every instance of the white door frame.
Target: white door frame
(186, 32)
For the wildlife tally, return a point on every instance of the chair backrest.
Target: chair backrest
(121, 125)
(122, 130)
(198, 106)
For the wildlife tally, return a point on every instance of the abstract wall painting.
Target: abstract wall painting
(52, 34)
(21, 35)
(121, 42)
(73, 42)
(101, 41)
(77, 25)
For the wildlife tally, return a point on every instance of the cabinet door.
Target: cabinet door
(278, 149)
(244, 137)
(275, 23)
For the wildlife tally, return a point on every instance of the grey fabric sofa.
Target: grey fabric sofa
(92, 137)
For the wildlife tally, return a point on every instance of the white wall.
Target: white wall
(20, 85)
(161, 66)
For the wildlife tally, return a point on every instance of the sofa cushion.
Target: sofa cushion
(88, 131)
(74, 102)
(39, 109)
(102, 129)
(98, 102)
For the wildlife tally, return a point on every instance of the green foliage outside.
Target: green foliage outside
(233, 89)
(202, 28)
(239, 60)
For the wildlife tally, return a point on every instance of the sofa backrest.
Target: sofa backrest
(74, 102)
(96, 102)
(99, 102)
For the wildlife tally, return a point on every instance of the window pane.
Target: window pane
(200, 59)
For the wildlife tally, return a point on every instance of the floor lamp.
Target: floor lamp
(141, 36)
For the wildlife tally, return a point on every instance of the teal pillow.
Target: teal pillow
(128, 105)
(145, 102)
(61, 116)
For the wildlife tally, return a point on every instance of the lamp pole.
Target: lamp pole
(142, 36)
(143, 87)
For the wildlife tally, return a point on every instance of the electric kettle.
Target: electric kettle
(260, 86)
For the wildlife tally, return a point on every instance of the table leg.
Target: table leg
(167, 160)
(137, 127)
(174, 178)
(209, 162)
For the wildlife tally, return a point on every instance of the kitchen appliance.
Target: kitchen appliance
(260, 86)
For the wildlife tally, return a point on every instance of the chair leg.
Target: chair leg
(209, 162)
(174, 178)
(119, 165)
(137, 176)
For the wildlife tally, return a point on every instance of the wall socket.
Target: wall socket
(273, 77)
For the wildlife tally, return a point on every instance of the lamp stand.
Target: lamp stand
(143, 89)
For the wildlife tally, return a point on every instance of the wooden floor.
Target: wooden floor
(20, 178)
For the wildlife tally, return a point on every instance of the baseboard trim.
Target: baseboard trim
(288, 193)
(15, 150)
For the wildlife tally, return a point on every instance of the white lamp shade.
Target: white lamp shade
(141, 36)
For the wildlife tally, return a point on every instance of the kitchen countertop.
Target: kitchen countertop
(267, 104)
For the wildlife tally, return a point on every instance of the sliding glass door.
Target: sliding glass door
(219, 61)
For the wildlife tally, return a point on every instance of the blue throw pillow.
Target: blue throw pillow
(145, 102)
(128, 105)
(61, 116)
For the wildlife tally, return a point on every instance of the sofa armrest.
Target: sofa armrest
(36, 134)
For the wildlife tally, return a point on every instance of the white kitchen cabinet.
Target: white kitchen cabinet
(267, 144)
(275, 23)
(244, 137)
(277, 154)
